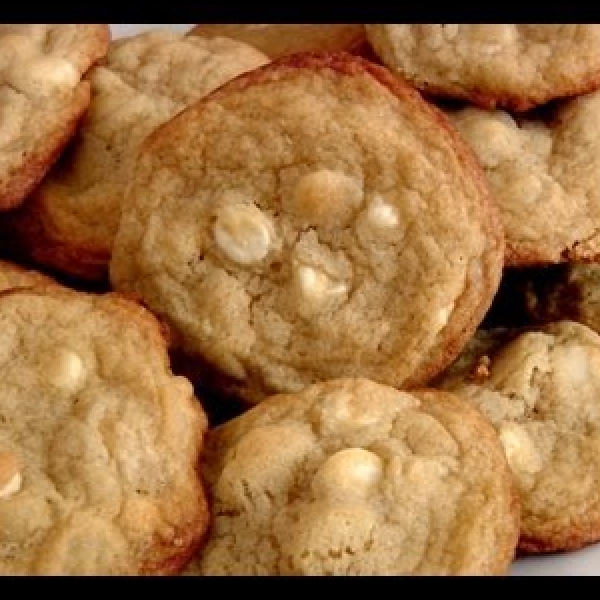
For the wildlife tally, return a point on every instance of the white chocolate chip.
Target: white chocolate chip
(10, 476)
(65, 370)
(341, 412)
(519, 448)
(381, 213)
(316, 285)
(495, 141)
(575, 364)
(441, 317)
(325, 197)
(37, 74)
(243, 233)
(348, 475)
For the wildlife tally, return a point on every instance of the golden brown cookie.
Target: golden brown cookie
(350, 477)
(69, 223)
(99, 441)
(493, 65)
(540, 388)
(277, 40)
(313, 218)
(42, 98)
(545, 175)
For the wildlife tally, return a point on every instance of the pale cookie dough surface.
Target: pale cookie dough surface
(42, 98)
(541, 391)
(493, 65)
(350, 477)
(12, 276)
(280, 39)
(545, 176)
(314, 218)
(99, 441)
(70, 221)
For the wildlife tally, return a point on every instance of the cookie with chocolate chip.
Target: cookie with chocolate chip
(42, 98)
(313, 218)
(493, 65)
(351, 477)
(99, 441)
(69, 222)
(540, 388)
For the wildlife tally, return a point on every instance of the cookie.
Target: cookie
(42, 98)
(69, 222)
(12, 276)
(493, 65)
(99, 441)
(277, 40)
(545, 175)
(314, 218)
(540, 388)
(351, 477)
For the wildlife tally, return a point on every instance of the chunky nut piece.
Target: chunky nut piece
(348, 474)
(380, 213)
(65, 370)
(243, 233)
(10, 476)
(325, 197)
(519, 448)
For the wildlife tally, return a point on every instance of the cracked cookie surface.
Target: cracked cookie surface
(493, 65)
(545, 176)
(540, 388)
(99, 441)
(42, 98)
(350, 477)
(314, 218)
(70, 221)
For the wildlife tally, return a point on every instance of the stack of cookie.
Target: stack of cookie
(269, 253)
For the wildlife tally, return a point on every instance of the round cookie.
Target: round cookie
(99, 441)
(277, 40)
(42, 98)
(314, 218)
(12, 276)
(70, 220)
(541, 391)
(493, 65)
(545, 176)
(351, 477)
